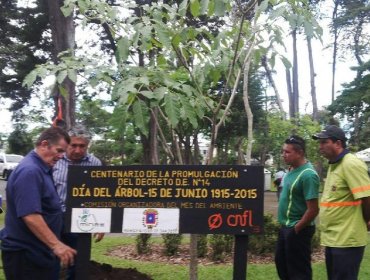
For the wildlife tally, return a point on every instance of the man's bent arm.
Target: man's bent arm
(366, 208)
(309, 215)
(38, 226)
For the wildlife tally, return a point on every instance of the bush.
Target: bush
(265, 243)
(172, 243)
(217, 242)
(142, 243)
(202, 245)
(229, 243)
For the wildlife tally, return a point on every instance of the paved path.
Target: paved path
(2, 188)
(270, 203)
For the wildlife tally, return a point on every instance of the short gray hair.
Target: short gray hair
(80, 131)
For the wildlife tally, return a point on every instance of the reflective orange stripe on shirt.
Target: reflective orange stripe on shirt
(360, 189)
(341, 203)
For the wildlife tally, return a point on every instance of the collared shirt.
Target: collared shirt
(341, 218)
(30, 190)
(60, 172)
(299, 185)
(339, 157)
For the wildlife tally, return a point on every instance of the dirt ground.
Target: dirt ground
(105, 271)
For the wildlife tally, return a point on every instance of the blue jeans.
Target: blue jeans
(343, 263)
(293, 253)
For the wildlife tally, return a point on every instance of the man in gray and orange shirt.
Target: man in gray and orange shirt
(344, 206)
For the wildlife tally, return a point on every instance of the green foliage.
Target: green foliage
(272, 137)
(265, 243)
(236, 123)
(353, 105)
(23, 45)
(142, 243)
(202, 245)
(221, 245)
(171, 243)
(19, 142)
(93, 115)
(218, 245)
(229, 243)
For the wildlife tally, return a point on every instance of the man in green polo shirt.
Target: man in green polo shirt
(344, 206)
(298, 207)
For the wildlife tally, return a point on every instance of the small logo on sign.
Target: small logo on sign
(86, 222)
(215, 221)
(150, 218)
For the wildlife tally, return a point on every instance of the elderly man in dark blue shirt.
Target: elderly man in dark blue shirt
(30, 239)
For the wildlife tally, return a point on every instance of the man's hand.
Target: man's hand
(98, 236)
(36, 223)
(65, 253)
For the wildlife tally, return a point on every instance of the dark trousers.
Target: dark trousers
(343, 263)
(293, 253)
(18, 267)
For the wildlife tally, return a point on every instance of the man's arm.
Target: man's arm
(38, 226)
(309, 215)
(366, 208)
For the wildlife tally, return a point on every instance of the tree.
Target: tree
(19, 141)
(300, 18)
(352, 17)
(23, 33)
(353, 104)
(168, 65)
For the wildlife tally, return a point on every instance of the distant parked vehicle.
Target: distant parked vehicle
(7, 164)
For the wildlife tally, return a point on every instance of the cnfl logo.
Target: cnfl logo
(244, 219)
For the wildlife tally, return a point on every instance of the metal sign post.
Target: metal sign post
(240, 257)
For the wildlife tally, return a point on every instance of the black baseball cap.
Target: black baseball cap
(330, 132)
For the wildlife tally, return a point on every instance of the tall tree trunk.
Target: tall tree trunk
(295, 75)
(63, 36)
(290, 92)
(357, 37)
(196, 148)
(335, 47)
(248, 111)
(154, 157)
(239, 148)
(312, 81)
(272, 83)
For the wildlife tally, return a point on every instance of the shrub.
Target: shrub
(202, 245)
(265, 243)
(229, 243)
(142, 243)
(172, 243)
(217, 242)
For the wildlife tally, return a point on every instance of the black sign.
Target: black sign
(225, 199)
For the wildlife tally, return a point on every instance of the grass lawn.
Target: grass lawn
(215, 272)
(161, 271)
